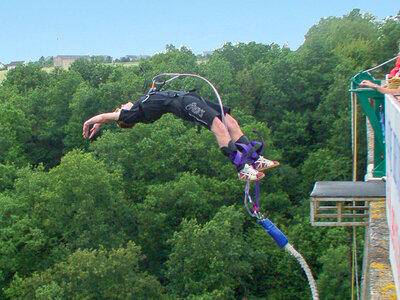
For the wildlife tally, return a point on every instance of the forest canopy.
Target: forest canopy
(156, 212)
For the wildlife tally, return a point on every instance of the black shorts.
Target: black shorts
(194, 108)
(187, 106)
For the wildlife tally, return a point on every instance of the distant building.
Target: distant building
(2, 66)
(13, 64)
(64, 61)
(135, 57)
(207, 53)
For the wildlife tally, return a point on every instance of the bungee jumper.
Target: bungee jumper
(189, 106)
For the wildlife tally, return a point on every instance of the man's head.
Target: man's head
(122, 124)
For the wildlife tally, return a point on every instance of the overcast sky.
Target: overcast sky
(31, 29)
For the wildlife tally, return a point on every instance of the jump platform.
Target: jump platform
(344, 203)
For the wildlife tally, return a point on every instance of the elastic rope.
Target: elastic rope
(177, 75)
(247, 200)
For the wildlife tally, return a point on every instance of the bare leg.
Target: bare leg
(221, 133)
(226, 136)
(233, 127)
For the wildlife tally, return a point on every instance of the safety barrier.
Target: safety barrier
(392, 141)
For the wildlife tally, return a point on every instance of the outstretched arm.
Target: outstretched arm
(97, 121)
(377, 87)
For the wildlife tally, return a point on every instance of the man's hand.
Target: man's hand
(85, 130)
(93, 130)
(368, 83)
(97, 121)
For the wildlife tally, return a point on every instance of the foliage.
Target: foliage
(50, 214)
(91, 274)
(155, 212)
(335, 260)
(208, 259)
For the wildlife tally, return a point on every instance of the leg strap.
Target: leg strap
(234, 155)
(250, 150)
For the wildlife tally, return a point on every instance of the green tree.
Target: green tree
(220, 72)
(14, 127)
(25, 78)
(335, 261)
(387, 45)
(91, 274)
(78, 204)
(175, 61)
(298, 100)
(233, 55)
(93, 72)
(325, 164)
(44, 111)
(189, 196)
(8, 173)
(292, 135)
(207, 260)
(50, 113)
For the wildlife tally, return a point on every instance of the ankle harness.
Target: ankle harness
(234, 155)
(250, 151)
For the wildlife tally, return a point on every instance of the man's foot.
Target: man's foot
(262, 163)
(248, 173)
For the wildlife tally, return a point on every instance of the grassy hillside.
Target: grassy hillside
(2, 75)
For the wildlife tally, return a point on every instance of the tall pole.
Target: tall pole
(352, 230)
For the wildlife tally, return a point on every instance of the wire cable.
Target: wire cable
(382, 64)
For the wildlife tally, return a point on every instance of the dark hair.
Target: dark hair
(123, 124)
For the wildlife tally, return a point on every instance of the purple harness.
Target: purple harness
(250, 153)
